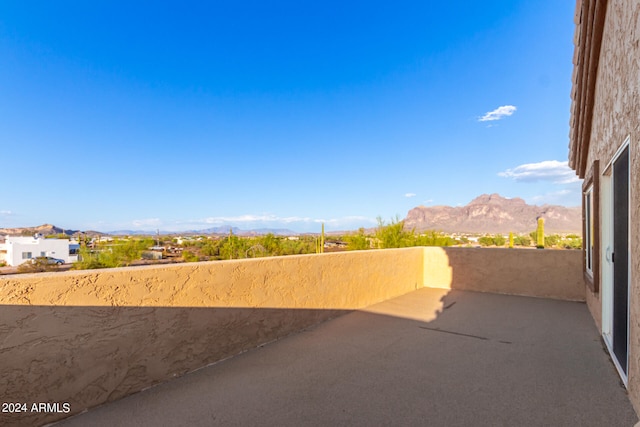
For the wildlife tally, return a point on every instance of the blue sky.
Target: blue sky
(281, 114)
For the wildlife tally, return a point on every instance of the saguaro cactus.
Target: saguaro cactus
(320, 241)
(540, 234)
(511, 239)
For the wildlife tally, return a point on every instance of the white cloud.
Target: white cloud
(253, 218)
(498, 113)
(566, 197)
(409, 195)
(346, 220)
(148, 222)
(5, 212)
(548, 170)
(296, 223)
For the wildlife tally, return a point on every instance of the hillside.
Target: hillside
(45, 230)
(495, 214)
(48, 229)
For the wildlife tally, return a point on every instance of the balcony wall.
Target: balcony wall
(88, 337)
(538, 273)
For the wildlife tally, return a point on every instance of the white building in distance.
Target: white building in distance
(17, 250)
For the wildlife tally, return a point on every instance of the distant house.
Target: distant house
(604, 150)
(18, 250)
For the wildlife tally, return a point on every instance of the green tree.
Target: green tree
(89, 259)
(211, 248)
(233, 247)
(117, 254)
(271, 244)
(358, 241)
(393, 235)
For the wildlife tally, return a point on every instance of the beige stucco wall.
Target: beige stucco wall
(92, 336)
(530, 272)
(616, 116)
(595, 307)
(88, 337)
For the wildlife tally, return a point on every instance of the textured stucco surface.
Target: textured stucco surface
(89, 337)
(94, 336)
(432, 357)
(616, 117)
(530, 272)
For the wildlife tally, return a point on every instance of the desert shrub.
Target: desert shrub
(572, 241)
(434, 238)
(551, 240)
(58, 236)
(523, 240)
(485, 240)
(189, 256)
(36, 266)
(304, 245)
(499, 240)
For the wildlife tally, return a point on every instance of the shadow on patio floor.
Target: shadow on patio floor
(484, 360)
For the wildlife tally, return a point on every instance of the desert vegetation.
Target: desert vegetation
(396, 235)
(36, 266)
(237, 247)
(116, 253)
(119, 252)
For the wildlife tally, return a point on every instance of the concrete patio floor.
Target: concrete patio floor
(431, 357)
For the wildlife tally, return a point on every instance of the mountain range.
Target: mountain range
(45, 230)
(492, 213)
(488, 213)
(223, 230)
(48, 229)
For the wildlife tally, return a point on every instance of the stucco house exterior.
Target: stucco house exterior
(18, 250)
(604, 150)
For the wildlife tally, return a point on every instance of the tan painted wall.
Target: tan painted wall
(89, 337)
(529, 272)
(93, 336)
(616, 115)
(595, 307)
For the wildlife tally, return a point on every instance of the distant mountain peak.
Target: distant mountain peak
(493, 213)
(495, 198)
(44, 229)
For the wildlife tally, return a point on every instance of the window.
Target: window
(591, 232)
(26, 255)
(42, 253)
(588, 230)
